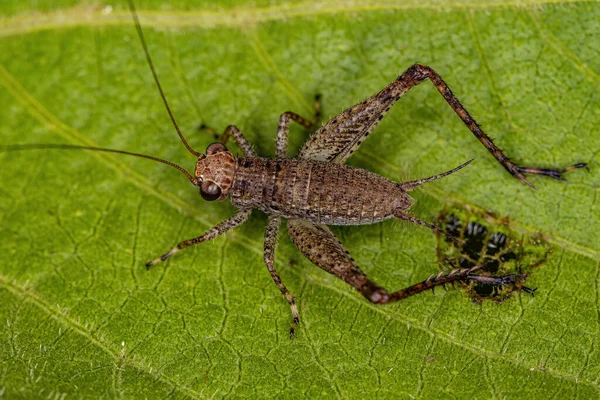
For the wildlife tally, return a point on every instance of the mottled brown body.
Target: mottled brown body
(325, 193)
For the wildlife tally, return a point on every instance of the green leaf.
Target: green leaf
(81, 316)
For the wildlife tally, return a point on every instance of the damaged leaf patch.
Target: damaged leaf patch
(487, 242)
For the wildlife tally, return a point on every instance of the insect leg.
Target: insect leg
(418, 73)
(210, 234)
(269, 253)
(319, 244)
(240, 140)
(410, 218)
(341, 136)
(283, 130)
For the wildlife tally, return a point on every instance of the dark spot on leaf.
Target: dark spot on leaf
(488, 242)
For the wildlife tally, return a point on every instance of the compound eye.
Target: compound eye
(215, 148)
(210, 191)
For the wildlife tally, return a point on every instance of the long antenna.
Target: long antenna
(19, 147)
(138, 27)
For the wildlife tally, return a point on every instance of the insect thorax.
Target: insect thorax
(327, 193)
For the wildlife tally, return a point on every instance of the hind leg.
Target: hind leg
(322, 248)
(341, 136)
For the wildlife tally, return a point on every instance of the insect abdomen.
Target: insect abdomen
(327, 193)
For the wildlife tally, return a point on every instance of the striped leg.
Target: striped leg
(270, 245)
(234, 131)
(418, 73)
(210, 234)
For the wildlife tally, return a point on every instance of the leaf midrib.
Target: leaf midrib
(239, 17)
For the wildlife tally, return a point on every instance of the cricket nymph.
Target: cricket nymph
(316, 189)
(321, 192)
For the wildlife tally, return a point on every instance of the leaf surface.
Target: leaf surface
(80, 315)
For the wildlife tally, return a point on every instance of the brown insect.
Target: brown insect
(316, 189)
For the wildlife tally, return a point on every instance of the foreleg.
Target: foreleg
(212, 233)
(240, 140)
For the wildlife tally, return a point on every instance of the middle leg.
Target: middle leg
(283, 129)
(269, 254)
